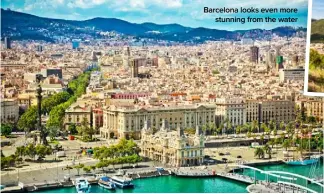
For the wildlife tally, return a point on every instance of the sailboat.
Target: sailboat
(304, 160)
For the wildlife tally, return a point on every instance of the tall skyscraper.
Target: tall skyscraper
(7, 43)
(279, 62)
(134, 67)
(254, 54)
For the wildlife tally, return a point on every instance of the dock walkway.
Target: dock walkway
(237, 177)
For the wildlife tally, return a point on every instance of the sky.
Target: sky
(185, 12)
(318, 9)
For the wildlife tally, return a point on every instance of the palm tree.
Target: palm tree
(281, 125)
(204, 129)
(264, 128)
(286, 144)
(267, 150)
(211, 127)
(271, 143)
(259, 152)
(238, 129)
(254, 126)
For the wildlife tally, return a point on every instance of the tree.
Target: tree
(267, 150)
(53, 132)
(28, 120)
(286, 144)
(42, 151)
(259, 152)
(238, 129)
(271, 143)
(264, 128)
(78, 167)
(72, 129)
(30, 151)
(20, 151)
(6, 129)
(85, 130)
(254, 126)
(281, 125)
(311, 120)
(290, 128)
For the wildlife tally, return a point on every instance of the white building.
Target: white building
(291, 74)
(232, 109)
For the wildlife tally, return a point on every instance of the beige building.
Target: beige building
(76, 113)
(291, 74)
(267, 110)
(172, 147)
(312, 106)
(126, 121)
(9, 110)
(232, 109)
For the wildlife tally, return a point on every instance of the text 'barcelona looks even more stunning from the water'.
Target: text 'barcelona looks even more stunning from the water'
(156, 97)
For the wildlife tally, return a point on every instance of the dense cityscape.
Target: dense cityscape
(129, 108)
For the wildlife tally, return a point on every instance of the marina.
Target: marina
(205, 181)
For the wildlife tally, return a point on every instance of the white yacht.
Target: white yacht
(122, 182)
(82, 185)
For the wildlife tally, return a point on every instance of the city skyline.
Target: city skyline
(186, 13)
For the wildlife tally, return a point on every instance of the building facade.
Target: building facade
(231, 109)
(264, 111)
(291, 74)
(129, 121)
(172, 147)
(76, 113)
(9, 111)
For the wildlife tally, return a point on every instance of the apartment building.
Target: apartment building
(231, 109)
(9, 111)
(128, 121)
(291, 74)
(267, 110)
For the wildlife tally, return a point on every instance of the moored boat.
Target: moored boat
(106, 183)
(303, 161)
(122, 182)
(82, 185)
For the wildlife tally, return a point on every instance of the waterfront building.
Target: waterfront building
(291, 74)
(172, 147)
(125, 121)
(311, 106)
(231, 109)
(264, 111)
(9, 111)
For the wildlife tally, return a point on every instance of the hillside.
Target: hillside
(317, 31)
(20, 25)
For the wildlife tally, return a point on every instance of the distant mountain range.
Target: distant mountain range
(20, 25)
(317, 31)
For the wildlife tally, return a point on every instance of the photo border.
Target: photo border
(309, 26)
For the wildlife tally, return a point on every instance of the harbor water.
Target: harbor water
(173, 184)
